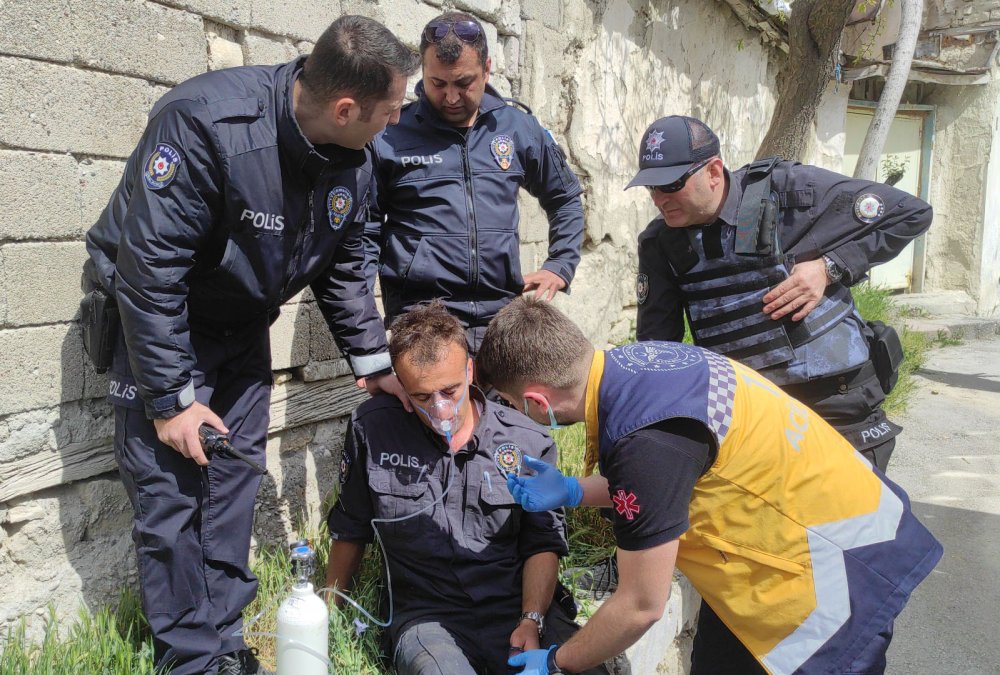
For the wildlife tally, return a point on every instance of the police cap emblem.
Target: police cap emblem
(869, 207)
(338, 204)
(641, 288)
(508, 458)
(502, 148)
(161, 167)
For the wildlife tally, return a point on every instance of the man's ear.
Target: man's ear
(539, 397)
(716, 171)
(487, 69)
(342, 110)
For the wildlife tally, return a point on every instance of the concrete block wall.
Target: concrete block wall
(77, 78)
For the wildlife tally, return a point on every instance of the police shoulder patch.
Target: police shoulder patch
(869, 207)
(345, 466)
(641, 287)
(161, 166)
(338, 204)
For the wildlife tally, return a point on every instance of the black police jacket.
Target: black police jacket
(224, 212)
(449, 201)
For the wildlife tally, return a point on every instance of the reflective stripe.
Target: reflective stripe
(371, 363)
(827, 544)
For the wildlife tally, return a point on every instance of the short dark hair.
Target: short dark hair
(531, 342)
(449, 49)
(358, 57)
(423, 333)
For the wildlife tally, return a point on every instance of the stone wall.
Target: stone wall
(77, 78)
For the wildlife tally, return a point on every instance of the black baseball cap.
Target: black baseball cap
(670, 147)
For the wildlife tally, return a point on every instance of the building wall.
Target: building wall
(77, 78)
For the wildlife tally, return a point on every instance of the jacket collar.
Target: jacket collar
(425, 112)
(731, 206)
(293, 144)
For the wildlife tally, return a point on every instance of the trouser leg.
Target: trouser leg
(717, 651)
(428, 648)
(191, 524)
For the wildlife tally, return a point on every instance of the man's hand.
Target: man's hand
(546, 490)
(387, 384)
(544, 283)
(181, 431)
(525, 636)
(799, 293)
(535, 662)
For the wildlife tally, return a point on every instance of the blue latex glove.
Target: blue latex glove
(535, 661)
(548, 489)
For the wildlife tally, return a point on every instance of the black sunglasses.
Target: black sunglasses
(678, 184)
(466, 31)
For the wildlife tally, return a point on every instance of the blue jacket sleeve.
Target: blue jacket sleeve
(832, 226)
(170, 213)
(550, 180)
(347, 302)
(372, 217)
(660, 307)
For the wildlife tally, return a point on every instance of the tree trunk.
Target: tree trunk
(814, 29)
(899, 71)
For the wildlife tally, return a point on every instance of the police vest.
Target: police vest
(724, 273)
(802, 549)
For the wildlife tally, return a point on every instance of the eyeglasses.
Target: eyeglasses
(466, 31)
(678, 184)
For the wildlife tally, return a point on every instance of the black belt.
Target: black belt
(824, 387)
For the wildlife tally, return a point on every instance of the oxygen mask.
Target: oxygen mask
(443, 415)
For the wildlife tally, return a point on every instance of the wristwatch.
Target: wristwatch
(833, 271)
(537, 618)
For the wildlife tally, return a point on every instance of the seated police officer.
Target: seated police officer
(761, 259)
(472, 575)
(448, 177)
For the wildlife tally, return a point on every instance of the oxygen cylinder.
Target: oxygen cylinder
(303, 621)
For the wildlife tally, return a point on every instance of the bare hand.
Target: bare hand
(181, 431)
(387, 384)
(544, 283)
(525, 636)
(799, 293)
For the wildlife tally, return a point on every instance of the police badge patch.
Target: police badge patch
(868, 208)
(502, 148)
(641, 288)
(338, 203)
(508, 458)
(161, 167)
(345, 466)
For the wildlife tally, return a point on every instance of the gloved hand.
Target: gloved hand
(535, 661)
(548, 489)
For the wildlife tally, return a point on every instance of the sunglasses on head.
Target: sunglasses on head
(678, 184)
(466, 31)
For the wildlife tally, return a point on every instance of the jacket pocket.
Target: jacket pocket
(402, 503)
(728, 549)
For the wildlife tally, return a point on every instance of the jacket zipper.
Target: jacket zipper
(293, 263)
(474, 230)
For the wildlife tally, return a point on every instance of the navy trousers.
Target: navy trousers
(192, 524)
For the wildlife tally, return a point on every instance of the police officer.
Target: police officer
(242, 191)
(472, 576)
(803, 554)
(762, 260)
(448, 178)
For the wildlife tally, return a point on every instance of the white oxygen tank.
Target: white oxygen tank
(303, 622)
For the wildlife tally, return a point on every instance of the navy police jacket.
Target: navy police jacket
(449, 204)
(224, 212)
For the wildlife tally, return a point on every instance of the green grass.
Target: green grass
(112, 641)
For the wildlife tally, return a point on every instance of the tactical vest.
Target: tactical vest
(803, 551)
(724, 273)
